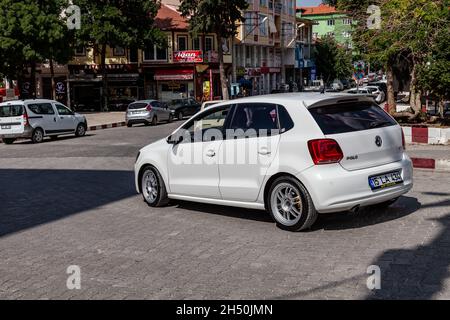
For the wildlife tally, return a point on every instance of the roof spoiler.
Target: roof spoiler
(340, 100)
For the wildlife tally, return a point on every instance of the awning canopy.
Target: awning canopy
(174, 74)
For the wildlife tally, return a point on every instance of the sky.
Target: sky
(308, 3)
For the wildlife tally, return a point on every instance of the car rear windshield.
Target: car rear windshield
(14, 110)
(137, 106)
(344, 118)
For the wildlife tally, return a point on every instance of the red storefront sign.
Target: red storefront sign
(189, 56)
(174, 74)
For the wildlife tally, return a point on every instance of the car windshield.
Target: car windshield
(14, 110)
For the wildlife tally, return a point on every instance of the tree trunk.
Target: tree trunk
(52, 77)
(32, 92)
(414, 94)
(441, 108)
(104, 106)
(390, 90)
(223, 77)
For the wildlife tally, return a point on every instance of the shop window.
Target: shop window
(80, 51)
(118, 51)
(182, 43)
(196, 44)
(154, 53)
(209, 43)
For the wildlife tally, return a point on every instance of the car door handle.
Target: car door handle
(210, 153)
(264, 151)
(54, 119)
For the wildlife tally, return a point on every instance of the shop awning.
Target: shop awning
(174, 74)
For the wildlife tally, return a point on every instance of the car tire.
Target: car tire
(290, 205)
(37, 135)
(154, 121)
(153, 188)
(170, 118)
(8, 140)
(81, 130)
(180, 115)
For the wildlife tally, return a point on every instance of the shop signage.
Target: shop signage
(174, 74)
(189, 56)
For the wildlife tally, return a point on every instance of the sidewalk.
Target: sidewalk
(425, 156)
(104, 120)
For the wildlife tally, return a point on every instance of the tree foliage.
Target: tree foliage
(416, 31)
(31, 32)
(333, 61)
(112, 23)
(221, 17)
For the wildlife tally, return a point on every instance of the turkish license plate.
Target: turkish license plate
(385, 180)
(137, 112)
(6, 126)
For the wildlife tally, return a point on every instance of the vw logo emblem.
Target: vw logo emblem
(378, 141)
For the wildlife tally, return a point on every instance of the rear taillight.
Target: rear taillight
(403, 140)
(25, 118)
(149, 107)
(325, 151)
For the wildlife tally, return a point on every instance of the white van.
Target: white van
(36, 118)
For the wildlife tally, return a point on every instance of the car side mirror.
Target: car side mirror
(174, 139)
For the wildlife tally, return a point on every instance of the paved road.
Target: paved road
(72, 202)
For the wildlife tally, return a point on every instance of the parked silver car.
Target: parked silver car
(148, 112)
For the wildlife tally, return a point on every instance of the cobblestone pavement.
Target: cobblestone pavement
(72, 202)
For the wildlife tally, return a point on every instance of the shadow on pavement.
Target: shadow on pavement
(420, 272)
(29, 198)
(233, 212)
(49, 140)
(404, 206)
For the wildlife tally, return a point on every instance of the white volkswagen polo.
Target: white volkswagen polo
(294, 155)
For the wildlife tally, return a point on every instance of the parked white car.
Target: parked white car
(294, 155)
(36, 118)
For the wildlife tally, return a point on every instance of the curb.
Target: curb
(423, 134)
(434, 164)
(107, 126)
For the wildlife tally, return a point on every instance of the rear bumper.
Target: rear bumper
(335, 189)
(25, 134)
(146, 117)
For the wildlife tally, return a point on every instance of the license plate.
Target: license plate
(6, 126)
(385, 180)
(137, 112)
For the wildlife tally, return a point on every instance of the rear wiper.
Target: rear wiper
(379, 124)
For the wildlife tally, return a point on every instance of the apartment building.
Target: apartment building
(305, 68)
(264, 49)
(186, 67)
(329, 22)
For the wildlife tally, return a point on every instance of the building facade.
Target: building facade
(264, 49)
(329, 22)
(304, 63)
(186, 67)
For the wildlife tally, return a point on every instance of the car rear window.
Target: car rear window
(137, 106)
(14, 110)
(344, 118)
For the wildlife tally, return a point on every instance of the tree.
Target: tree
(29, 31)
(333, 61)
(112, 23)
(215, 16)
(408, 32)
